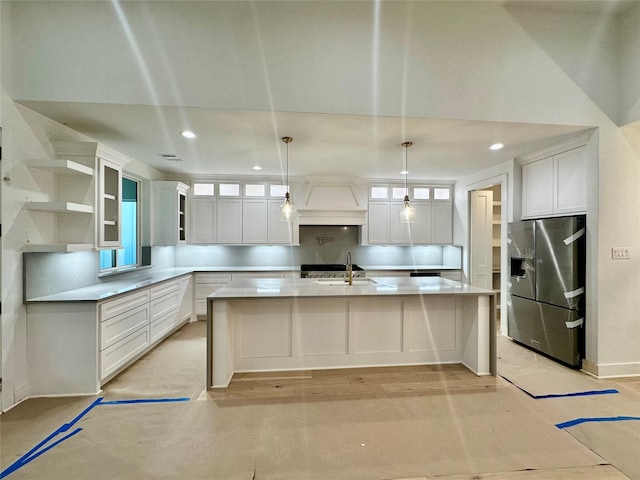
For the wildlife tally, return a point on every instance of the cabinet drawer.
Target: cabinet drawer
(452, 275)
(160, 327)
(201, 306)
(163, 289)
(121, 353)
(204, 290)
(161, 306)
(123, 304)
(257, 275)
(213, 277)
(120, 326)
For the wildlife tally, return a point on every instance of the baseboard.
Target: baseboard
(611, 370)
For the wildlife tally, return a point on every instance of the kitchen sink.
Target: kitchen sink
(342, 281)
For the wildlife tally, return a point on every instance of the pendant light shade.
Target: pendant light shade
(407, 213)
(287, 209)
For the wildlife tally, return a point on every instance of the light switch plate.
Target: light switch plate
(620, 253)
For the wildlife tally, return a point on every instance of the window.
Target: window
(398, 193)
(127, 255)
(379, 192)
(203, 189)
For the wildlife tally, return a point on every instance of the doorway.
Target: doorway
(487, 228)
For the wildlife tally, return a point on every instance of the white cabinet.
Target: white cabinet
(163, 309)
(109, 204)
(170, 213)
(555, 185)
(205, 285)
(78, 204)
(537, 188)
(378, 222)
(570, 194)
(239, 216)
(124, 331)
(433, 220)
(398, 232)
(186, 298)
(279, 232)
(203, 220)
(255, 221)
(229, 220)
(79, 346)
(442, 224)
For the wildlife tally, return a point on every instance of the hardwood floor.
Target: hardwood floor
(307, 385)
(416, 422)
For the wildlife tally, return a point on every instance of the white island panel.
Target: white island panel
(377, 325)
(323, 327)
(432, 329)
(299, 324)
(263, 330)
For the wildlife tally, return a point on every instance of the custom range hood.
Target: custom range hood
(332, 202)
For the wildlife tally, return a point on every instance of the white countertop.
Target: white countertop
(147, 278)
(407, 267)
(314, 287)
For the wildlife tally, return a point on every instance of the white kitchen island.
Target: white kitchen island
(299, 324)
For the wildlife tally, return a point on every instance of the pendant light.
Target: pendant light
(407, 213)
(287, 209)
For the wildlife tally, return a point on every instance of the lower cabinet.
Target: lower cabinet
(79, 346)
(205, 285)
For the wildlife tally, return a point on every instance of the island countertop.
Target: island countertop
(319, 287)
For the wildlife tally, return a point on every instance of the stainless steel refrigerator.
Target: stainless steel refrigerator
(546, 304)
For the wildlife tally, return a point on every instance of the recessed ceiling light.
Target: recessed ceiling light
(188, 134)
(496, 146)
(257, 167)
(404, 172)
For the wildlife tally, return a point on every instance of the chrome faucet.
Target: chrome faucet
(349, 269)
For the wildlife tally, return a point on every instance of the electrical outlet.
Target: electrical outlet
(620, 253)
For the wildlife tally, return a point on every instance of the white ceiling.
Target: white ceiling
(231, 142)
(115, 84)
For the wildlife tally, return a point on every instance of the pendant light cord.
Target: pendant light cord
(406, 145)
(287, 140)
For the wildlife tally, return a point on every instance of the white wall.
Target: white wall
(629, 46)
(584, 45)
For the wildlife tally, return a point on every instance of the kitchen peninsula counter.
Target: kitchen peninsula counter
(298, 324)
(139, 279)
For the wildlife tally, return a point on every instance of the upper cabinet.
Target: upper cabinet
(235, 213)
(170, 213)
(73, 208)
(109, 204)
(433, 222)
(555, 185)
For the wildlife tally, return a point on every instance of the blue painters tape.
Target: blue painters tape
(578, 421)
(578, 394)
(145, 400)
(563, 395)
(42, 447)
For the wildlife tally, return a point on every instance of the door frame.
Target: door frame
(501, 180)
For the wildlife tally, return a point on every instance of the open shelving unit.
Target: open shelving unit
(63, 219)
(496, 245)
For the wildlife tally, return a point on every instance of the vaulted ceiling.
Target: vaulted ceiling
(350, 81)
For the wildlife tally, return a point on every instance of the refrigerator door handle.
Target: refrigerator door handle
(575, 323)
(574, 293)
(572, 238)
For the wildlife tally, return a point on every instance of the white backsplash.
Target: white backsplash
(48, 273)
